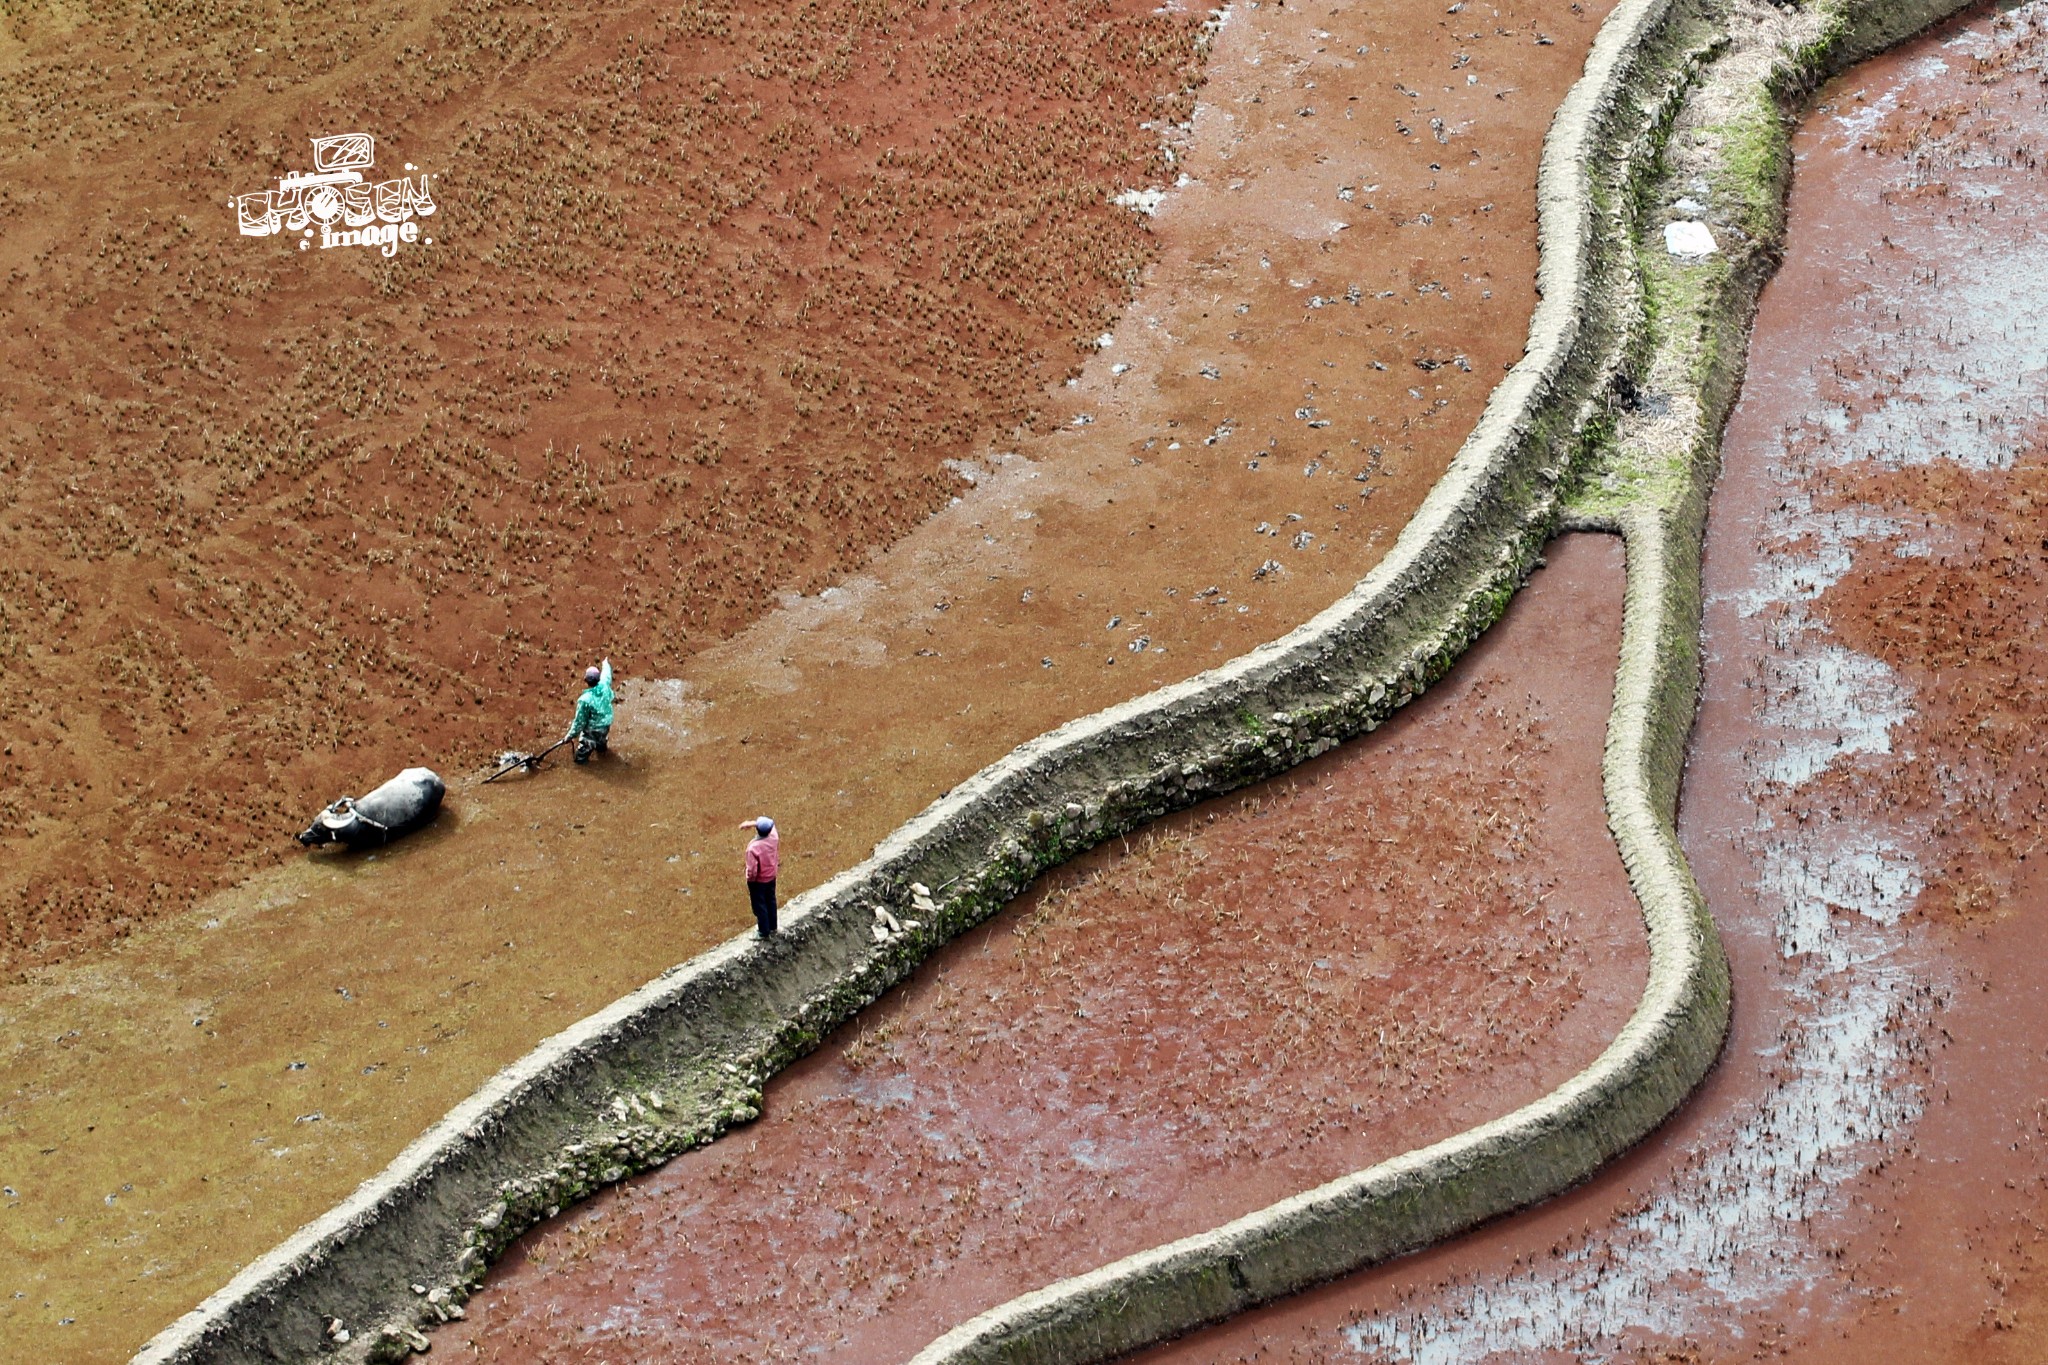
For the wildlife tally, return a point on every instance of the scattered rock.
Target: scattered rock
(1689, 240)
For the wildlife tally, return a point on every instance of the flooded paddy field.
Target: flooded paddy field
(1342, 260)
(1393, 943)
(707, 298)
(1862, 1178)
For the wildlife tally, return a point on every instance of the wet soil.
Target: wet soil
(160, 1153)
(713, 295)
(1862, 1177)
(1395, 942)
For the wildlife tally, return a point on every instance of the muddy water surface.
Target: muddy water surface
(1343, 276)
(1407, 937)
(1862, 1176)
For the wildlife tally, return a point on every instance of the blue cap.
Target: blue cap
(763, 825)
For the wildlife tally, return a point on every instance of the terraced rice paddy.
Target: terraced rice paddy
(203, 431)
(1862, 1178)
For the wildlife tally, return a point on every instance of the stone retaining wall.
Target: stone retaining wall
(674, 1064)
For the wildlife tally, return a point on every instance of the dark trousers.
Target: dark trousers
(762, 894)
(591, 741)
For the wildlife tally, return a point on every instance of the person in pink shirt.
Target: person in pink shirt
(764, 860)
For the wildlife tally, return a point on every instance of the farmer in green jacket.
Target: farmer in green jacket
(592, 724)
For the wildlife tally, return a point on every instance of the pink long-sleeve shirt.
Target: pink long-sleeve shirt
(764, 857)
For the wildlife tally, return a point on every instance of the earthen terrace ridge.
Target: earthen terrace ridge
(674, 1064)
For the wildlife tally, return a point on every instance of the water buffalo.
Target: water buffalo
(400, 806)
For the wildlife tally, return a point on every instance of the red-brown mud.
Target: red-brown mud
(1325, 231)
(715, 291)
(1862, 1178)
(1405, 938)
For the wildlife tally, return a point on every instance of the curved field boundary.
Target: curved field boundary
(672, 1065)
(1433, 1192)
(1676, 1030)
(1670, 1040)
